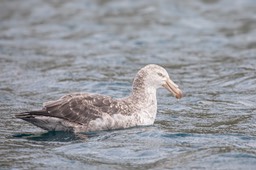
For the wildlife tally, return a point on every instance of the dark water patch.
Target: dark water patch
(178, 135)
(52, 137)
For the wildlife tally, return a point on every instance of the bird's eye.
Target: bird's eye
(160, 74)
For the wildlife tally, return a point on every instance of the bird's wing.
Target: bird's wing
(82, 107)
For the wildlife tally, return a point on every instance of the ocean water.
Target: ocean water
(51, 48)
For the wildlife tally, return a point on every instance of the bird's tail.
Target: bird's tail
(31, 114)
(42, 119)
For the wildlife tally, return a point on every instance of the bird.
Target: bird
(90, 112)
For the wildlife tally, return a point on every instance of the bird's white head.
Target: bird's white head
(156, 76)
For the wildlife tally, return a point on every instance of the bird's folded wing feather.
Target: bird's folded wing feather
(82, 107)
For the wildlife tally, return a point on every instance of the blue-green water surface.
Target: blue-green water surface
(51, 48)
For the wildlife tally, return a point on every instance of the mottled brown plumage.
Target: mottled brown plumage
(83, 107)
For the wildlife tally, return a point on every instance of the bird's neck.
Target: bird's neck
(143, 93)
(146, 95)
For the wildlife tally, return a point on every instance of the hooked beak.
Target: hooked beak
(173, 88)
